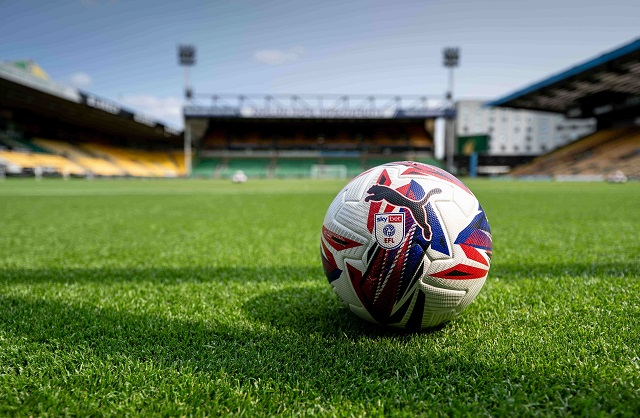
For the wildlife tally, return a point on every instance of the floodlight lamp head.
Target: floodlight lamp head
(187, 55)
(451, 57)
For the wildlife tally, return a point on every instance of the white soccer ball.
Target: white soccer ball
(406, 245)
(239, 177)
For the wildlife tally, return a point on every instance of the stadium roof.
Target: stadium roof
(23, 85)
(316, 107)
(598, 86)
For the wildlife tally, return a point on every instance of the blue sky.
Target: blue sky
(126, 50)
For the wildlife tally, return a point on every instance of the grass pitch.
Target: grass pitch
(172, 298)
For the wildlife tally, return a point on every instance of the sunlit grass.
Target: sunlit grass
(207, 298)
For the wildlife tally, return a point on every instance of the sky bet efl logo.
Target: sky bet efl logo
(390, 229)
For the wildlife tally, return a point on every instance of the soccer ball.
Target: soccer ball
(239, 177)
(406, 245)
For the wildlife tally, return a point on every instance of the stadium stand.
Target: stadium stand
(107, 160)
(101, 167)
(57, 129)
(177, 157)
(286, 167)
(158, 162)
(252, 167)
(62, 158)
(22, 145)
(207, 168)
(215, 139)
(299, 138)
(606, 88)
(65, 149)
(48, 163)
(118, 158)
(601, 153)
(354, 165)
(418, 137)
(135, 162)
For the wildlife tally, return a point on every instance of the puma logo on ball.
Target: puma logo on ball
(418, 208)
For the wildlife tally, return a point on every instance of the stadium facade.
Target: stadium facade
(516, 132)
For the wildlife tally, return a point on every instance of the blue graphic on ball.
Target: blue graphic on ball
(389, 230)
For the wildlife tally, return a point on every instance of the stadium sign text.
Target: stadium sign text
(101, 104)
(115, 109)
(314, 113)
(250, 112)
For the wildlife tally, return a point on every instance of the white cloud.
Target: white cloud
(279, 56)
(164, 109)
(80, 79)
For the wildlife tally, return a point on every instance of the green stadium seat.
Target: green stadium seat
(354, 165)
(294, 167)
(252, 167)
(23, 144)
(205, 168)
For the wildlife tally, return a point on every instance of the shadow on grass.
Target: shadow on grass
(304, 309)
(316, 309)
(293, 274)
(322, 360)
(283, 342)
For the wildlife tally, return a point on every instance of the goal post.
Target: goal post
(328, 171)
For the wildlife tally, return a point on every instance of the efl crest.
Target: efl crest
(389, 230)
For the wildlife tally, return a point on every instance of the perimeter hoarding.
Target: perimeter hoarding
(467, 145)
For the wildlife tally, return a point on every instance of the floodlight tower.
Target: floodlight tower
(450, 59)
(187, 58)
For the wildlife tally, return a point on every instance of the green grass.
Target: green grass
(172, 298)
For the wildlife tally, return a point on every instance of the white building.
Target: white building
(514, 132)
